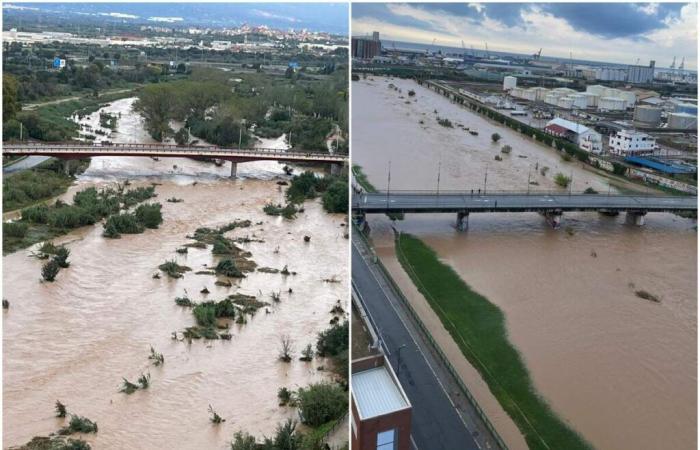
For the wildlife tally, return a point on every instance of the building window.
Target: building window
(386, 440)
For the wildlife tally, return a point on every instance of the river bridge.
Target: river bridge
(76, 150)
(550, 204)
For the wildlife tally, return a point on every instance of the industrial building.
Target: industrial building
(682, 121)
(641, 74)
(631, 143)
(381, 412)
(647, 115)
(365, 47)
(586, 138)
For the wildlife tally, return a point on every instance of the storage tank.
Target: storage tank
(596, 89)
(611, 104)
(552, 98)
(579, 101)
(629, 97)
(591, 99)
(688, 108)
(540, 93)
(682, 121)
(647, 115)
(509, 83)
(565, 102)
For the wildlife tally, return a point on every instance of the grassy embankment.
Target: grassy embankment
(478, 327)
(361, 178)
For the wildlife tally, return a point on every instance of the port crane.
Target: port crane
(537, 55)
(673, 64)
(682, 66)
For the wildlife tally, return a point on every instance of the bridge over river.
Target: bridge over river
(76, 150)
(551, 205)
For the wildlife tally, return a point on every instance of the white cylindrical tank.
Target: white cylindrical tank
(682, 121)
(509, 83)
(629, 97)
(596, 89)
(552, 98)
(579, 101)
(647, 115)
(565, 102)
(689, 108)
(611, 104)
(591, 99)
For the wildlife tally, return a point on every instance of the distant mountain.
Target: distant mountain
(328, 17)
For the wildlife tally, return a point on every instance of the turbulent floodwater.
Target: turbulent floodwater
(620, 369)
(76, 338)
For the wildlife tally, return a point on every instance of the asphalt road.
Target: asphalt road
(26, 163)
(512, 202)
(436, 423)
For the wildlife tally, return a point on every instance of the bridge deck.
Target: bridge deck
(76, 150)
(516, 202)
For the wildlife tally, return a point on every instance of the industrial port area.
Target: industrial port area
(635, 120)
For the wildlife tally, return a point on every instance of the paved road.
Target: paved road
(514, 202)
(436, 423)
(26, 163)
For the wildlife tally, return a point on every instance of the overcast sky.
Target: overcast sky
(613, 32)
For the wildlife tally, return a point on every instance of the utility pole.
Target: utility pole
(486, 174)
(388, 184)
(438, 178)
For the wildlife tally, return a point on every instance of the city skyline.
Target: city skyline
(613, 32)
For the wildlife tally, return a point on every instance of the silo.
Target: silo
(682, 121)
(509, 83)
(629, 97)
(647, 115)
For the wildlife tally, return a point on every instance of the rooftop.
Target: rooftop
(569, 125)
(376, 393)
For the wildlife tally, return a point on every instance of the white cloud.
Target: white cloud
(555, 35)
(120, 15)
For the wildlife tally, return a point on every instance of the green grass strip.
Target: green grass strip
(478, 327)
(361, 178)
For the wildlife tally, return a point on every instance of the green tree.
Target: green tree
(50, 270)
(10, 97)
(322, 402)
(156, 105)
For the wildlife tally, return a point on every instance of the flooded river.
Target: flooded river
(75, 339)
(620, 369)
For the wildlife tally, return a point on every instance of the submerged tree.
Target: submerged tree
(60, 409)
(50, 270)
(285, 348)
(215, 417)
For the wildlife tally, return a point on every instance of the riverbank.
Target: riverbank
(478, 327)
(595, 352)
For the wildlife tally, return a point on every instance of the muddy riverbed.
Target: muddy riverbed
(76, 338)
(620, 369)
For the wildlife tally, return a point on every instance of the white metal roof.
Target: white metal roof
(376, 393)
(569, 125)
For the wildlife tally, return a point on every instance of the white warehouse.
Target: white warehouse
(586, 138)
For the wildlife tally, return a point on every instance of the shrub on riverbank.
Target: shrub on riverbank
(322, 402)
(478, 328)
(30, 186)
(334, 191)
(562, 180)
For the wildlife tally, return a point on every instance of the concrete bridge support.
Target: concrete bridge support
(234, 169)
(635, 217)
(335, 169)
(462, 221)
(608, 212)
(553, 218)
(66, 166)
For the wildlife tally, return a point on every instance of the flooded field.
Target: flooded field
(75, 339)
(620, 369)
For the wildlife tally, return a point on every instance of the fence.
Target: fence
(426, 333)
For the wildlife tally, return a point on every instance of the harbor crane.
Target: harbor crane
(673, 64)
(537, 55)
(682, 66)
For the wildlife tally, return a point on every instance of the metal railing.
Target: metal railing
(165, 148)
(428, 336)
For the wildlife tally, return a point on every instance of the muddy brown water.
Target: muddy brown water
(621, 370)
(76, 338)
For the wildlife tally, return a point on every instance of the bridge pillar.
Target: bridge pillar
(335, 169)
(462, 221)
(635, 217)
(66, 166)
(234, 169)
(553, 218)
(608, 212)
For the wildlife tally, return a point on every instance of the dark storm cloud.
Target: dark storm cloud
(607, 20)
(612, 20)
